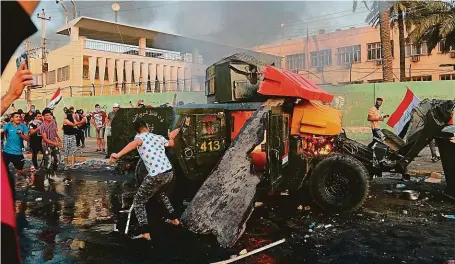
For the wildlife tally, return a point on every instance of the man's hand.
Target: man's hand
(21, 78)
(18, 132)
(114, 157)
(173, 133)
(59, 145)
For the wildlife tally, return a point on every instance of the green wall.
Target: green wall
(355, 100)
(87, 103)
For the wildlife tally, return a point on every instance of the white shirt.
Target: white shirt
(152, 153)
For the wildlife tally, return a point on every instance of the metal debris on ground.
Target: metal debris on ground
(285, 193)
(251, 252)
(307, 208)
(400, 186)
(243, 252)
(405, 212)
(328, 226)
(39, 199)
(411, 195)
(258, 204)
(449, 216)
(300, 207)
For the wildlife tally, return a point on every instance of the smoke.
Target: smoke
(236, 23)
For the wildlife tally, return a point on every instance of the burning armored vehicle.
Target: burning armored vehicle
(290, 135)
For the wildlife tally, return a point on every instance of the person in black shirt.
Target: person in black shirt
(69, 137)
(35, 138)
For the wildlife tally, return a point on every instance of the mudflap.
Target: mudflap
(225, 201)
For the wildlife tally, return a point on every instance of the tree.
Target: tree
(380, 10)
(433, 22)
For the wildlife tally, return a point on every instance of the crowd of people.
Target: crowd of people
(37, 132)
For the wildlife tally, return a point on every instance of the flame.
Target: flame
(316, 145)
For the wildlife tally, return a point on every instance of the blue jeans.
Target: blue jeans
(87, 131)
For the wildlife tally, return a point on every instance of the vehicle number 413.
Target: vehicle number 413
(210, 145)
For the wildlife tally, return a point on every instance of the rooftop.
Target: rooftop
(103, 30)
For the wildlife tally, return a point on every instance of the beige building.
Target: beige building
(354, 55)
(108, 58)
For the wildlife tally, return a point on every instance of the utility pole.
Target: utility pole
(44, 65)
(27, 53)
(307, 54)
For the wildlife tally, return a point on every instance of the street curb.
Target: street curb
(77, 159)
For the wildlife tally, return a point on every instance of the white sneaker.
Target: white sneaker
(46, 183)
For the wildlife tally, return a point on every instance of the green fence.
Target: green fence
(355, 100)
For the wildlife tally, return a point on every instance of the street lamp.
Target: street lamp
(115, 8)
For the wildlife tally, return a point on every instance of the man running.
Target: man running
(51, 143)
(151, 148)
(16, 133)
(99, 121)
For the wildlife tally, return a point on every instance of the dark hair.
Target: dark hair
(97, 105)
(46, 111)
(37, 111)
(379, 99)
(15, 113)
(20, 111)
(138, 124)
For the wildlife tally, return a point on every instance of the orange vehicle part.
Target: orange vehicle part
(279, 82)
(313, 117)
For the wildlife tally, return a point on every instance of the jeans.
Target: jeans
(35, 150)
(80, 137)
(87, 130)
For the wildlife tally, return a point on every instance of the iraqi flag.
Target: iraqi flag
(55, 99)
(402, 114)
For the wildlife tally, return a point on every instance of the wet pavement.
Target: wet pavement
(73, 222)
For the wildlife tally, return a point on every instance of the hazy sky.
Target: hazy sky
(242, 24)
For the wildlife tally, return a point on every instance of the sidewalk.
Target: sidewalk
(82, 154)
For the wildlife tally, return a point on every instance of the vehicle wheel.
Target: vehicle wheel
(141, 171)
(339, 183)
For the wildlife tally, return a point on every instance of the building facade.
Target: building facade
(108, 58)
(354, 56)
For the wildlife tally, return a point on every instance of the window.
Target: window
(85, 72)
(416, 49)
(441, 46)
(50, 77)
(63, 74)
(348, 55)
(447, 77)
(375, 50)
(321, 58)
(376, 81)
(295, 61)
(419, 78)
(210, 86)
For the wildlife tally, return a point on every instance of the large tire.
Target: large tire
(339, 184)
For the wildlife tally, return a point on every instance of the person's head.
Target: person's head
(37, 111)
(38, 116)
(97, 108)
(378, 102)
(47, 114)
(140, 126)
(115, 107)
(65, 109)
(71, 109)
(16, 117)
(32, 108)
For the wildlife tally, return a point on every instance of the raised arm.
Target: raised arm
(131, 146)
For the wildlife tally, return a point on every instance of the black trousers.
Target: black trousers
(35, 150)
(80, 137)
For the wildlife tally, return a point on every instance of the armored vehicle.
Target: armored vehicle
(303, 140)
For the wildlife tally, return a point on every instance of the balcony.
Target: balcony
(134, 50)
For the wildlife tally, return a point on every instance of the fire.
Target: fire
(316, 145)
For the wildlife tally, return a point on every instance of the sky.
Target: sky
(237, 23)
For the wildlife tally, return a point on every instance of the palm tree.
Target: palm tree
(433, 22)
(380, 9)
